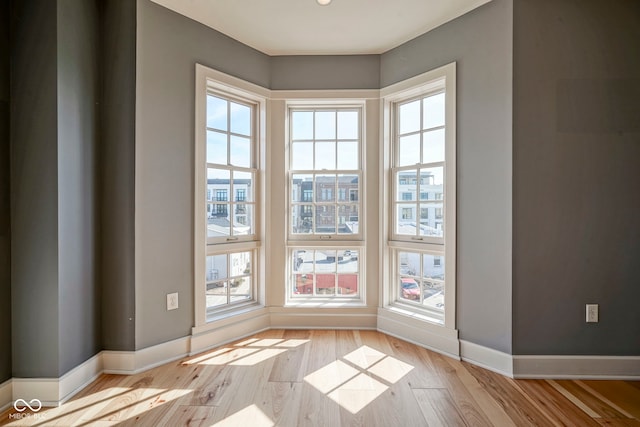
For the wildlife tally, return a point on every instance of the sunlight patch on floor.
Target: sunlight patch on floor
(251, 416)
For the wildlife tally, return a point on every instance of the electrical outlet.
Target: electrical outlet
(592, 313)
(172, 301)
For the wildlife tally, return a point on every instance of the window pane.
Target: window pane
(347, 284)
(216, 147)
(303, 261)
(216, 267)
(240, 119)
(216, 294)
(406, 183)
(325, 155)
(302, 124)
(302, 188)
(302, 156)
(406, 219)
(325, 284)
(325, 188)
(348, 261)
(325, 222)
(409, 289)
(348, 221)
(242, 219)
(410, 117)
(243, 186)
(433, 146)
(348, 155)
(409, 263)
(432, 219)
(433, 111)
(240, 151)
(302, 219)
(216, 113)
(325, 125)
(303, 284)
(409, 150)
(218, 224)
(431, 179)
(347, 125)
(240, 288)
(240, 263)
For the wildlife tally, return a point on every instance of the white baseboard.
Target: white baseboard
(133, 362)
(295, 320)
(419, 332)
(577, 367)
(223, 332)
(55, 391)
(487, 358)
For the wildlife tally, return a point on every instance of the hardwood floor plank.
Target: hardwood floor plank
(427, 376)
(288, 365)
(448, 370)
(438, 407)
(601, 408)
(619, 422)
(554, 404)
(624, 396)
(511, 399)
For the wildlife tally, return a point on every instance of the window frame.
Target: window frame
(209, 81)
(338, 242)
(432, 82)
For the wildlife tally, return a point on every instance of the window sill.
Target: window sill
(417, 313)
(325, 303)
(230, 315)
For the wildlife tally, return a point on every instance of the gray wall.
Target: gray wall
(78, 88)
(34, 189)
(117, 174)
(54, 98)
(5, 223)
(325, 72)
(168, 47)
(481, 44)
(576, 176)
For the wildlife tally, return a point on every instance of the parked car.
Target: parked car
(409, 288)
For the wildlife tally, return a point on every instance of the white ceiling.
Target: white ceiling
(302, 27)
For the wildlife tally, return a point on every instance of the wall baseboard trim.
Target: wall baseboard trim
(487, 358)
(577, 367)
(419, 332)
(55, 391)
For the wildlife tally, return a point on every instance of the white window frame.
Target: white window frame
(327, 241)
(231, 88)
(432, 82)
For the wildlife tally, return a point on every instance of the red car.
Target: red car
(410, 289)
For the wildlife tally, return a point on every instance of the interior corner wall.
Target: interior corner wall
(78, 128)
(480, 42)
(168, 47)
(5, 206)
(576, 176)
(34, 189)
(117, 174)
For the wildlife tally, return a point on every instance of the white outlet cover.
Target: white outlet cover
(172, 301)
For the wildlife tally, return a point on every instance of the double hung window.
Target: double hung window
(422, 197)
(227, 171)
(325, 210)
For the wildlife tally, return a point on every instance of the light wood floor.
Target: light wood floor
(337, 378)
